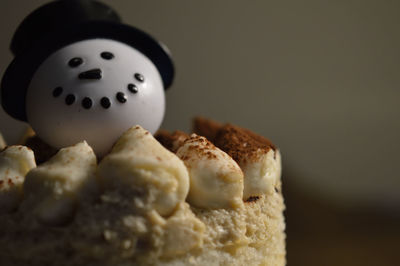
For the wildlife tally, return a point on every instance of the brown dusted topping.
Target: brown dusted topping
(201, 146)
(165, 138)
(206, 127)
(252, 199)
(184, 158)
(211, 155)
(260, 139)
(171, 141)
(240, 144)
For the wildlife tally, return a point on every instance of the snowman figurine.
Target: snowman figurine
(80, 74)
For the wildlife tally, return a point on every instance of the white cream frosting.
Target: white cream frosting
(15, 163)
(54, 188)
(140, 163)
(261, 175)
(216, 180)
(158, 179)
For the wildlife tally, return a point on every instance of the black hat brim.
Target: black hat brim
(21, 70)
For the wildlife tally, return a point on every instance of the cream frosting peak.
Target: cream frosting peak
(15, 163)
(258, 158)
(216, 181)
(54, 189)
(138, 162)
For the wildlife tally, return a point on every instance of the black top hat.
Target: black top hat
(62, 22)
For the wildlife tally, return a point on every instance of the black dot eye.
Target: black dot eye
(76, 61)
(139, 77)
(133, 88)
(107, 55)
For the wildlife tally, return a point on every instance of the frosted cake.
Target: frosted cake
(212, 197)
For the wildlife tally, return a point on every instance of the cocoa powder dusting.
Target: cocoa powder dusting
(240, 144)
(206, 127)
(171, 141)
(259, 138)
(165, 138)
(201, 146)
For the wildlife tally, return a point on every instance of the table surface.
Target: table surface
(319, 233)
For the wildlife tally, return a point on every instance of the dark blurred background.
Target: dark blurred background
(319, 78)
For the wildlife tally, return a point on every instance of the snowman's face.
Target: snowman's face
(94, 90)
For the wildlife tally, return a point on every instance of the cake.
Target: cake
(212, 197)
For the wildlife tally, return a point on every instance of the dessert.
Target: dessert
(179, 199)
(87, 187)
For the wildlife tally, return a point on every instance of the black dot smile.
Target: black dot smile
(133, 88)
(87, 103)
(121, 97)
(57, 91)
(139, 77)
(105, 102)
(70, 99)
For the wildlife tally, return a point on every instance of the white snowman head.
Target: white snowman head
(94, 90)
(80, 74)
